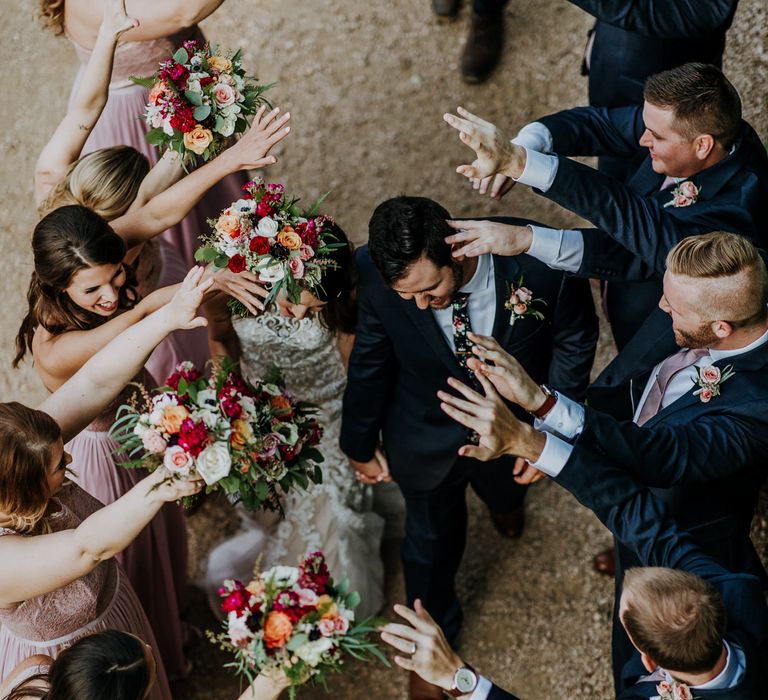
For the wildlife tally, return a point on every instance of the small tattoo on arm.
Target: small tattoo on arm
(84, 127)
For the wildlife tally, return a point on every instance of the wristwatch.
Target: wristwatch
(464, 681)
(548, 404)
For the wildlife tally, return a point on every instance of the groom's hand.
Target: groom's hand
(374, 471)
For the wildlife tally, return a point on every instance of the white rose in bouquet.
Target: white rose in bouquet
(267, 227)
(312, 652)
(214, 463)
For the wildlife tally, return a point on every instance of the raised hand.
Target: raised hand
(181, 310)
(499, 431)
(253, 148)
(495, 185)
(473, 238)
(505, 373)
(429, 653)
(243, 286)
(115, 20)
(166, 488)
(494, 152)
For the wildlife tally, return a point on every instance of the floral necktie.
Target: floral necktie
(461, 327)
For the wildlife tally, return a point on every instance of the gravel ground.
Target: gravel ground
(367, 84)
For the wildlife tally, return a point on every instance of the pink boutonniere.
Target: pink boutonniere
(709, 379)
(673, 691)
(685, 194)
(519, 300)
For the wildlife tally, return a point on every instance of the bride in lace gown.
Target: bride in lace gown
(335, 516)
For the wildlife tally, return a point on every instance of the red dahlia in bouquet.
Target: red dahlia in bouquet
(295, 621)
(267, 233)
(252, 441)
(198, 99)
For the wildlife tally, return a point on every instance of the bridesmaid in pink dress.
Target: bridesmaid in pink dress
(163, 27)
(59, 580)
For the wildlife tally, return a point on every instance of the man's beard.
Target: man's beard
(702, 337)
(458, 277)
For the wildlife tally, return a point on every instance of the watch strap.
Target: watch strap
(548, 404)
(454, 691)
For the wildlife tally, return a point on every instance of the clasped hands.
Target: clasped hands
(500, 433)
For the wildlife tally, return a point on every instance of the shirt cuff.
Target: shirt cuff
(560, 249)
(566, 418)
(482, 690)
(553, 457)
(539, 171)
(536, 137)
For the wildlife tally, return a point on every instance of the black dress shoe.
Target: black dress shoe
(605, 562)
(446, 8)
(510, 525)
(483, 48)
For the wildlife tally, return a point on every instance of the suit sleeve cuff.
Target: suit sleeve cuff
(558, 249)
(553, 457)
(566, 418)
(539, 171)
(535, 137)
(483, 689)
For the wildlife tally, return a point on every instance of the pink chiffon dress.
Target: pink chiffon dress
(156, 561)
(120, 124)
(102, 599)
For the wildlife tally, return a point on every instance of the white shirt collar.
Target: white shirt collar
(481, 279)
(722, 354)
(727, 678)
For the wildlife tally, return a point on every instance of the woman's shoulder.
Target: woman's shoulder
(24, 674)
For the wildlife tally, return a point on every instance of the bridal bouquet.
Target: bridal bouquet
(294, 620)
(249, 440)
(266, 233)
(197, 100)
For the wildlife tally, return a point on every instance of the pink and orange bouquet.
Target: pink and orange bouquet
(295, 621)
(266, 233)
(198, 99)
(252, 441)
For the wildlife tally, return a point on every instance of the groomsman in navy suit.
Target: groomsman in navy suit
(704, 169)
(692, 423)
(634, 39)
(690, 620)
(416, 307)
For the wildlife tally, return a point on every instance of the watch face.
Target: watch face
(465, 680)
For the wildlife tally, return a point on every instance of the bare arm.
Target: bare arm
(70, 136)
(170, 207)
(265, 688)
(34, 566)
(166, 172)
(222, 339)
(77, 402)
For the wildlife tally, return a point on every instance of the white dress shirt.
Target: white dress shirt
(565, 421)
(481, 305)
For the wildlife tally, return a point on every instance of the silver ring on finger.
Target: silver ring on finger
(413, 648)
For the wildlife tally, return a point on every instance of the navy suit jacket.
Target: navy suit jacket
(400, 360)
(637, 38)
(705, 460)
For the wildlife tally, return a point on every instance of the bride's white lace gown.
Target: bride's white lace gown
(334, 516)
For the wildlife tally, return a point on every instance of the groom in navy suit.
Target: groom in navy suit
(704, 169)
(690, 422)
(691, 622)
(416, 306)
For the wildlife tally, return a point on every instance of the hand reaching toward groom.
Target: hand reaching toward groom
(373, 471)
(473, 238)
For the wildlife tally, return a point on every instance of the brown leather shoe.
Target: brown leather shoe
(483, 48)
(419, 689)
(510, 524)
(605, 562)
(446, 9)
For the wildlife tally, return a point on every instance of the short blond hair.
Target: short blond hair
(713, 258)
(675, 617)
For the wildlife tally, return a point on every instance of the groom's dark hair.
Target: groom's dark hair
(404, 229)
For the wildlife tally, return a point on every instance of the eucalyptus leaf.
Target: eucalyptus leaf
(181, 56)
(202, 112)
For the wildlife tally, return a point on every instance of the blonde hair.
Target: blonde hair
(106, 181)
(715, 257)
(27, 439)
(675, 617)
(51, 13)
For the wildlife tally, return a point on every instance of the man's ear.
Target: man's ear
(722, 329)
(703, 145)
(649, 664)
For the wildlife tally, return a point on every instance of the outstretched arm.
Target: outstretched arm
(172, 205)
(91, 389)
(70, 136)
(665, 19)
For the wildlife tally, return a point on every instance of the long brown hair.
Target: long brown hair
(106, 181)
(67, 240)
(27, 439)
(339, 285)
(52, 15)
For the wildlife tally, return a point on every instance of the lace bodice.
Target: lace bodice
(140, 58)
(65, 610)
